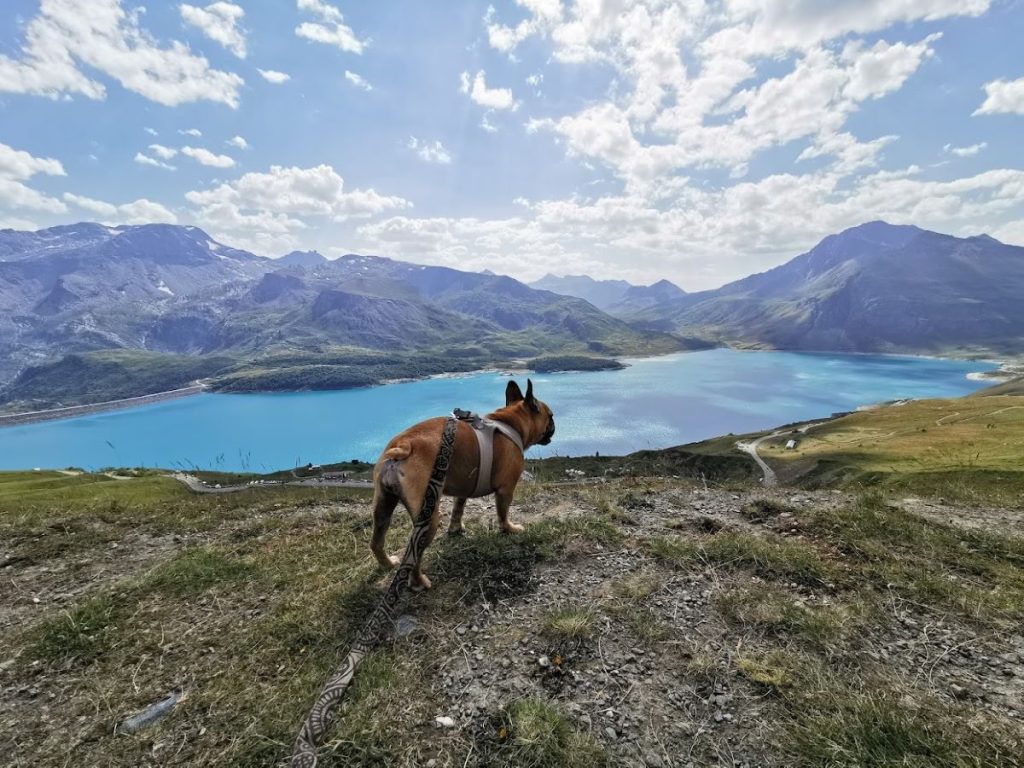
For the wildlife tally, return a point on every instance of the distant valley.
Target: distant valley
(90, 312)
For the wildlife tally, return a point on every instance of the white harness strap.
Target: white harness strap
(485, 440)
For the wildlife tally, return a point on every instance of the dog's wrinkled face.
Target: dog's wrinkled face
(549, 431)
(539, 412)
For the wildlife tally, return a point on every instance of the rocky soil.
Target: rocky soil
(646, 642)
(658, 683)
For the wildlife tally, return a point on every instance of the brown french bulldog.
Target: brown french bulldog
(403, 471)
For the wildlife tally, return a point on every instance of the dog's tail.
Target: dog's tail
(398, 451)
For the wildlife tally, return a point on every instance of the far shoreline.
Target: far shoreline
(74, 411)
(1005, 370)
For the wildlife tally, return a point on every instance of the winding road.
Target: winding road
(770, 479)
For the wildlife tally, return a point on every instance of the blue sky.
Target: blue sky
(693, 140)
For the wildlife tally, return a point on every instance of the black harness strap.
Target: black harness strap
(382, 618)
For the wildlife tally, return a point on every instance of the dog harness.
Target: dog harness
(484, 430)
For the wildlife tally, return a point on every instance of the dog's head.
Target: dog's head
(541, 419)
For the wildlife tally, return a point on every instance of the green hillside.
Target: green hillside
(965, 448)
(636, 620)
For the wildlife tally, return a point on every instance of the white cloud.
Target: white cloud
(544, 13)
(18, 223)
(238, 141)
(357, 81)
(265, 211)
(144, 159)
(208, 158)
(687, 95)
(108, 39)
(145, 211)
(492, 98)
(849, 154)
(333, 30)
(98, 207)
(340, 36)
(1012, 232)
(17, 167)
(645, 140)
(697, 86)
(141, 211)
(324, 10)
(317, 191)
(165, 153)
(706, 236)
(219, 22)
(15, 195)
(20, 165)
(151, 131)
(487, 125)
(969, 151)
(1003, 97)
(273, 76)
(191, 132)
(769, 27)
(883, 68)
(430, 152)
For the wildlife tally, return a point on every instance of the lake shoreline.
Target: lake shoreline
(656, 402)
(1007, 369)
(74, 411)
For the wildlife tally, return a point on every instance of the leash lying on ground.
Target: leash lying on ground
(382, 618)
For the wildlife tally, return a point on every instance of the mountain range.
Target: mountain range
(615, 296)
(873, 288)
(84, 289)
(88, 302)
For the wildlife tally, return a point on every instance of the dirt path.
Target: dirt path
(197, 485)
(769, 480)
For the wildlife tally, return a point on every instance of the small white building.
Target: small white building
(790, 445)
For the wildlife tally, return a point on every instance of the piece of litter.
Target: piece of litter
(405, 625)
(444, 722)
(152, 713)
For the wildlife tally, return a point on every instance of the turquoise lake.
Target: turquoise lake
(654, 403)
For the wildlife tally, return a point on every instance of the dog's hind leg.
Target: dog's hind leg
(455, 526)
(384, 504)
(503, 502)
(395, 477)
(418, 579)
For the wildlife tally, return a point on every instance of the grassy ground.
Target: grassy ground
(353, 470)
(1012, 387)
(969, 448)
(634, 623)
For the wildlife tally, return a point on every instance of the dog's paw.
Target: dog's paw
(420, 584)
(395, 560)
(456, 531)
(513, 528)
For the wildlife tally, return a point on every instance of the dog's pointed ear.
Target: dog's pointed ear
(531, 401)
(513, 394)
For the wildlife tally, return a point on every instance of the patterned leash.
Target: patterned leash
(382, 618)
